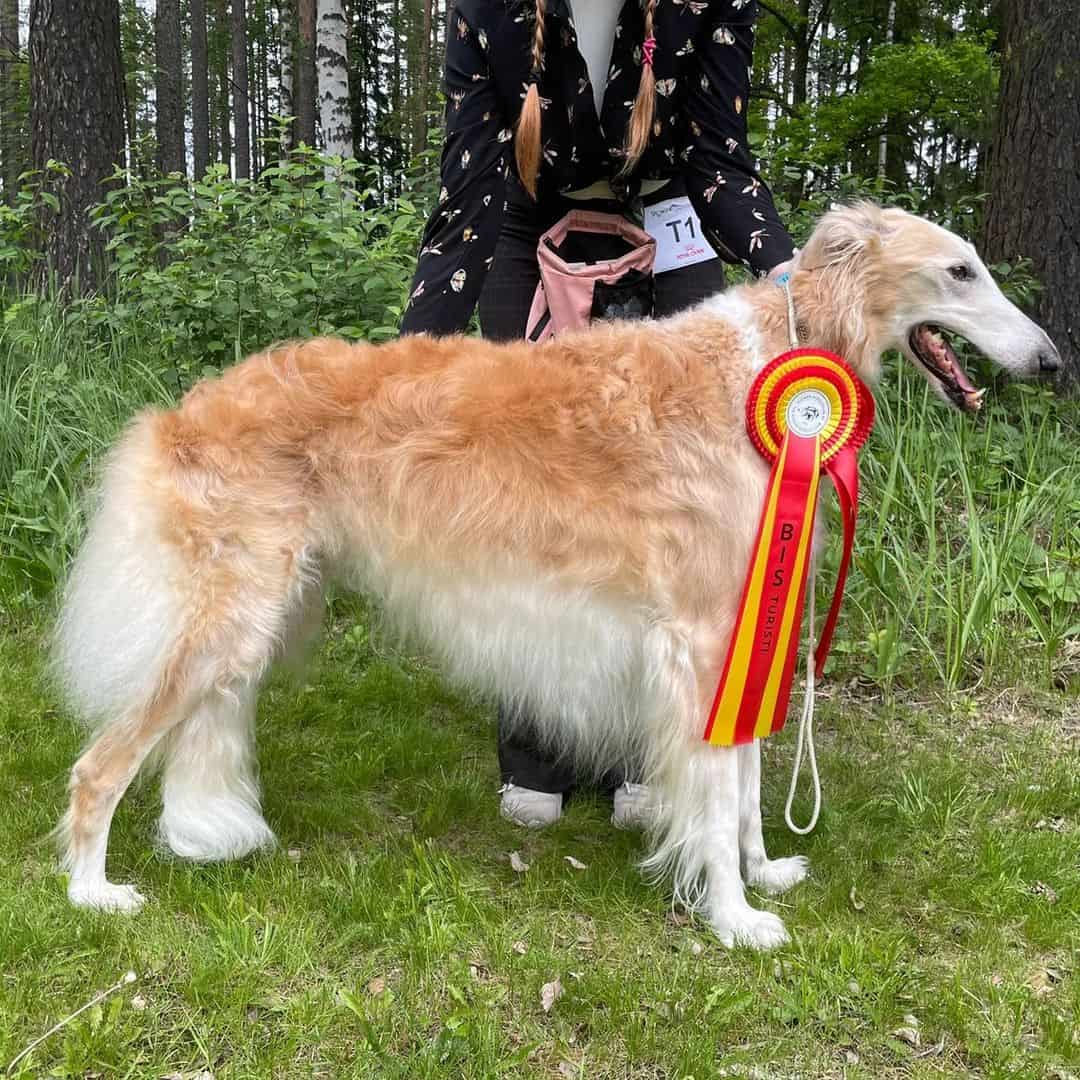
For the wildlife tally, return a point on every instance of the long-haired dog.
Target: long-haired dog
(566, 527)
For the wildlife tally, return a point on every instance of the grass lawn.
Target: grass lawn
(388, 936)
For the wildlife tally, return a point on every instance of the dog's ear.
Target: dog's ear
(845, 253)
(846, 232)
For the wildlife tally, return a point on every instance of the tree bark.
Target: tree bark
(334, 113)
(287, 29)
(424, 83)
(241, 112)
(1034, 168)
(10, 114)
(77, 117)
(200, 89)
(883, 139)
(304, 84)
(221, 33)
(168, 88)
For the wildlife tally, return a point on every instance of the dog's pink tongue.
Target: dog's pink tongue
(947, 359)
(960, 375)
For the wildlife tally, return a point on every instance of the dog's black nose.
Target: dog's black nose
(1049, 361)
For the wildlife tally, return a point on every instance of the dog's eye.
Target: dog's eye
(962, 272)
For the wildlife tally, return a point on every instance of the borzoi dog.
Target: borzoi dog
(565, 526)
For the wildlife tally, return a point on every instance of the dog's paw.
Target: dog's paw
(104, 896)
(778, 875)
(756, 929)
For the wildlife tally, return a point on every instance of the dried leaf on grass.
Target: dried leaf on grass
(908, 1035)
(1054, 824)
(517, 863)
(520, 948)
(856, 903)
(575, 863)
(1043, 980)
(1040, 888)
(377, 985)
(550, 993)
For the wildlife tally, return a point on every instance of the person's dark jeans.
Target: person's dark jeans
(504, 310)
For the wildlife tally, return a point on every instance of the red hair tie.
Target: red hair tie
(648, 47)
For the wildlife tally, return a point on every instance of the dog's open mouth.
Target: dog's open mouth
(933, 351)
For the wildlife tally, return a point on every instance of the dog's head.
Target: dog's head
(872, 279)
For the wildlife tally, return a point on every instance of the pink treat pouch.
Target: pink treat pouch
(592, 265)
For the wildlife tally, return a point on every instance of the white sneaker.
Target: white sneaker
(532, 809)
(634, 807)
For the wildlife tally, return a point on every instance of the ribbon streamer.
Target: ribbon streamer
(807, 412)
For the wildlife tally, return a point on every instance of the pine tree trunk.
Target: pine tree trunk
(10, 119)
(241, 117)
(304, 84)
(221, 33)
(200, 89)
(77, 117)
(168, 88)
(1034, 176)
(449, 26)
(334, 114)
(423, 88)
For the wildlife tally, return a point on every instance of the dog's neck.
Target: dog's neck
(821, 319)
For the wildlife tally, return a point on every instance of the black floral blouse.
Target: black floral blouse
(702, 65)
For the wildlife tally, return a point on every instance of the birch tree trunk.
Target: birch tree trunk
(200, 89)
(287, 31)
(883, 140)
(335, 114)
(241, 112)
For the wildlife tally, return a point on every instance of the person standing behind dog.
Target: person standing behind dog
(555, 105)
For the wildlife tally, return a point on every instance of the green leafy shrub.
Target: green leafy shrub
(222, 267)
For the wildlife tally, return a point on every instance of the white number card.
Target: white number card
(677, 232)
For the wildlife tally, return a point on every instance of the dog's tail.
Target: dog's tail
(123, 604)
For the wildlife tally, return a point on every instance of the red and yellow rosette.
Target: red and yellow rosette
(807, 411)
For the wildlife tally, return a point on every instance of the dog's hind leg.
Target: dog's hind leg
(210, 789)
(697, 835)
(98, 782)
(771, 875)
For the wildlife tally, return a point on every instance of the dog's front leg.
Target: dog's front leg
(771, 875)
(731, 916)
(698, 838)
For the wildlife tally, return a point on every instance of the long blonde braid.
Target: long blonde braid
(527, 138)
(639, 130)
